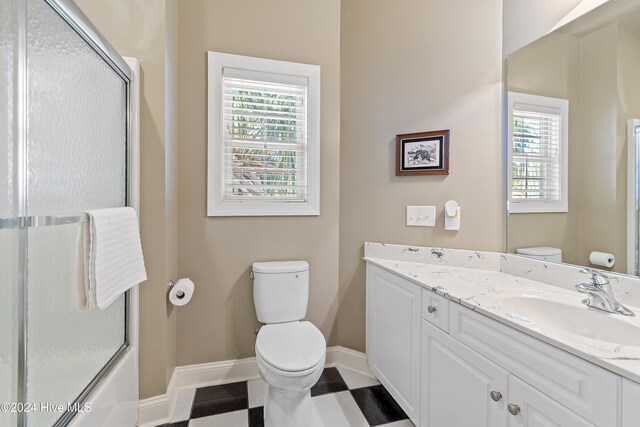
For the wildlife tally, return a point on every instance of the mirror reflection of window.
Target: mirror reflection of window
(538, 148)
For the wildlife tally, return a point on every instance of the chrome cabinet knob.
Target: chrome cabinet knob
(431, 309)
(496, 396)
(513, 409)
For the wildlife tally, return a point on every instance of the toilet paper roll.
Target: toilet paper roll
(181, 292)
(602, 259)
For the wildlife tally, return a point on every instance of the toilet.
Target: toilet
(542, 253)
(290, 352)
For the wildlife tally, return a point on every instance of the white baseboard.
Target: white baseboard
(154, 411)
(350, 359)
(159, 409)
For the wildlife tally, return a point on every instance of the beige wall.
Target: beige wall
(550, 67)
(216, 253)
(416, 66)
(138, 29)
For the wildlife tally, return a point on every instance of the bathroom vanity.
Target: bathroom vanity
(464, 338)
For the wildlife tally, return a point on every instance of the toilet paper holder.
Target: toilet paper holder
(181, 291)
(171, 284)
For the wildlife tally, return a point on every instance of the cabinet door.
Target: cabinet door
(630, 400)
(393, 336)
(457, 384)
(535, 409)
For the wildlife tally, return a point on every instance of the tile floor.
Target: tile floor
(340, 398)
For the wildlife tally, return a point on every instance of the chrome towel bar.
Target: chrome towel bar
(41, 221)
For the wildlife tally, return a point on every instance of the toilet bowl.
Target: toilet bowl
(290, 353)
(290, 358)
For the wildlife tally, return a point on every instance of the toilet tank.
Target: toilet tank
(280, 290)
(543, 253)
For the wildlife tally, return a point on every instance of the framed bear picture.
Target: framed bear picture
(422, 153)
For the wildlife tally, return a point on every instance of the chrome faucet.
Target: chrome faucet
(600, 293)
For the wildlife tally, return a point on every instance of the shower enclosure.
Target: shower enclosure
(65, 127)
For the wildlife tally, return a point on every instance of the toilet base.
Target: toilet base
(287, 408)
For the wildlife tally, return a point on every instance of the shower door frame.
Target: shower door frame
(633, 199)
(121, 371)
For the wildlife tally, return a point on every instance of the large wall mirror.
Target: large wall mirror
(573, 113)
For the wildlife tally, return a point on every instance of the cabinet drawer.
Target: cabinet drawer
(586, 389)
(435, 309)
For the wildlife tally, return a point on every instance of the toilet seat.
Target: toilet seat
(291, 347)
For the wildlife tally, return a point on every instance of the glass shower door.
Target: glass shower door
(8, 236)
(66, 123)
(76, 161)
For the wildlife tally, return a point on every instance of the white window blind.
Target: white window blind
(265, 140)
(538, 145)
(263, 137)
(536, 155)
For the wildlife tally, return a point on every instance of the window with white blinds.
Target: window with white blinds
(263, 137)
(538, 143)
(265, 140)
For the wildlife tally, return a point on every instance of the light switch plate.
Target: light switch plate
(421, 216)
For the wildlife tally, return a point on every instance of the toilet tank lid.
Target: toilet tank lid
(274, 267)
(539, 251)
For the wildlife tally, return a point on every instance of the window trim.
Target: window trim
(562, 205)
(218, 61)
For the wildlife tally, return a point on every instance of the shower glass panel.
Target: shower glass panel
(66, 347)
(63, 151)
(76, 161)
(76, 110)
(8, 334)
(8, 237)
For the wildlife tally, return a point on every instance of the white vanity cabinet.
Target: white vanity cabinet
(447, 365)
(393, 336)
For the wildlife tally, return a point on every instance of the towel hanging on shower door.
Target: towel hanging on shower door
(110, 259)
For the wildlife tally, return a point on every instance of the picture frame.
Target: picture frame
(422, 153)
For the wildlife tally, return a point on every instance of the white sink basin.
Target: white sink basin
(564, 316)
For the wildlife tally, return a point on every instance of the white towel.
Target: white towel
(112, 260)
(81, 267)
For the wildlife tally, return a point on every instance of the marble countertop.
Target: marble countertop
(486, 289)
